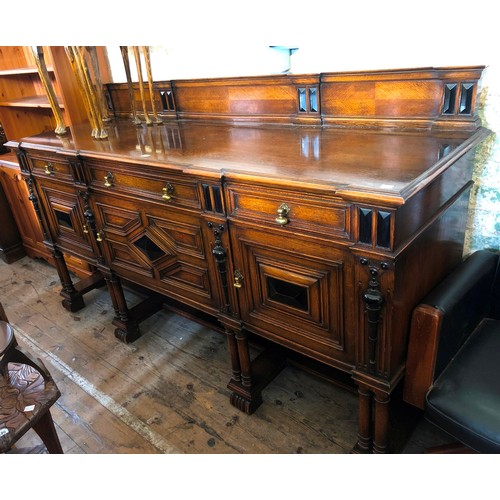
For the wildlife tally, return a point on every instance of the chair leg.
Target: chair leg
(46, 430)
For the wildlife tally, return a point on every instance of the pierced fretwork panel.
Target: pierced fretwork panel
(466, 95)
(308, 99)
(375, 227)
(167, 99)
(458, 98)
(450, 98)
(212, 196)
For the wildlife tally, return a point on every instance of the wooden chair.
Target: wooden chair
(453, 368)
(27, 392)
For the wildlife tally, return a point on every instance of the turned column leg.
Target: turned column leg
(127, 320)
(244, 357)
(72, 300)
(364, 443)
(246, 396)
(233, 352)
(117, 296)
(127, 330)
(381, 424)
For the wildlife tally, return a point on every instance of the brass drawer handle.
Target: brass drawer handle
(238, 279)
(283, 212)
(49, 168)
(167, 192)
(100, 235)
(85, 229)
(108, 179)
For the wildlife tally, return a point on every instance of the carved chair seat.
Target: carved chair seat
(27, 392)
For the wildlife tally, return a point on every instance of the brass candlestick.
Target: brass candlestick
(147, 59)
(126, 63)
(76, 56)
(39, 56)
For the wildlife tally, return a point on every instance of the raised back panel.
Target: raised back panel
(408, 98)
(253, 99)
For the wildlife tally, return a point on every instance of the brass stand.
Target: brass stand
(76, 56)
(39, 56)
(147, 59)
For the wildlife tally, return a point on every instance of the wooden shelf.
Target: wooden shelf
(32, 70)
(25, 111)
(38, 101)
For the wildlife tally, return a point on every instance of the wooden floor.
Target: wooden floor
(166, 392)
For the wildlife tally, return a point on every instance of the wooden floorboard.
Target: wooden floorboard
(166, 392)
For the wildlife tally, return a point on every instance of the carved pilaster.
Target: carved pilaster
(34, 200)
(233, 352)
(373, 301)
(90, 226)
(220, 255)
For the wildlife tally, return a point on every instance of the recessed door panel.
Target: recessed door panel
(162, 248)
(294, 298)
(66, 220)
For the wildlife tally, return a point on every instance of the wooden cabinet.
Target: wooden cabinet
(21, 208)
(24, 111)
(11, 245)
(320, 240)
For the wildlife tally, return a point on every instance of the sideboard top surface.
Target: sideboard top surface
(381, 163)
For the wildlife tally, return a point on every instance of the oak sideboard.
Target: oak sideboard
(313, 211)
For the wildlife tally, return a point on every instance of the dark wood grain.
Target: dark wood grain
(318, 239)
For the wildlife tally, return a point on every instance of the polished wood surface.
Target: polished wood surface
(348, 164)
(319, 240)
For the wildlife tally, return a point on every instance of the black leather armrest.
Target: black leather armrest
(444, 320)
(463, 298)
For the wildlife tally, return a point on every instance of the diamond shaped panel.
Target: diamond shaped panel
(149, 248)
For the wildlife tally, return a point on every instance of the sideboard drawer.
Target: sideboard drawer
(161, 186)
(53, 167)
(291, 210)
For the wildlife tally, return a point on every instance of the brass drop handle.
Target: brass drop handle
(238, 279)
(167, 192)
(49, 168)
(283, 212)
(100, 235)
(108, 179)
(85, 229)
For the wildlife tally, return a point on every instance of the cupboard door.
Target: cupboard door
(67, 224)
(294, 291)
(158, 247)
(22, 210)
